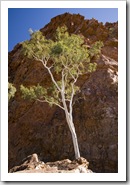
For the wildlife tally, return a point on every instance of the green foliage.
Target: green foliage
(49, 95)
(33, 92)
(11, 91)
(61, 33)
(38, 46)
(57, 49)
(95, 49)
(66, 56)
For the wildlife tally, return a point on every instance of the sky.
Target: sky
(21, 19)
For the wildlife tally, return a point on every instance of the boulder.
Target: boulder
(33, 165)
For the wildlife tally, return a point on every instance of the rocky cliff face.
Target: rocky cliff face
(36, 128)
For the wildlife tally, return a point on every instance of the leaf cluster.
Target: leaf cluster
(95, 49)
(50, 95)
(33, 92)
(37, 46)
(11, 90)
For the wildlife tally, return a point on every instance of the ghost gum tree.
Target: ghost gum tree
(65, 59)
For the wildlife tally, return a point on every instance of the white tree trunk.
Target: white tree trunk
(73, 134)
(75, 143)
(69, 119)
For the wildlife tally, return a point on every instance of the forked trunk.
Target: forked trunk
(69, 120)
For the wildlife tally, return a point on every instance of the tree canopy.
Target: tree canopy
(66, 57)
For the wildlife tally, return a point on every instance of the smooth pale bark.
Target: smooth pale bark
(74, 138)
(69, 120)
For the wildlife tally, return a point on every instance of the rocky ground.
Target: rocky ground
(33, 165)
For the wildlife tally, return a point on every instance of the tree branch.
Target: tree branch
(63, 81)
(52, 77)
(67, 67)
(46, 101)
(71, 99)
(63, 93)
(44, 62)
(67, 100)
